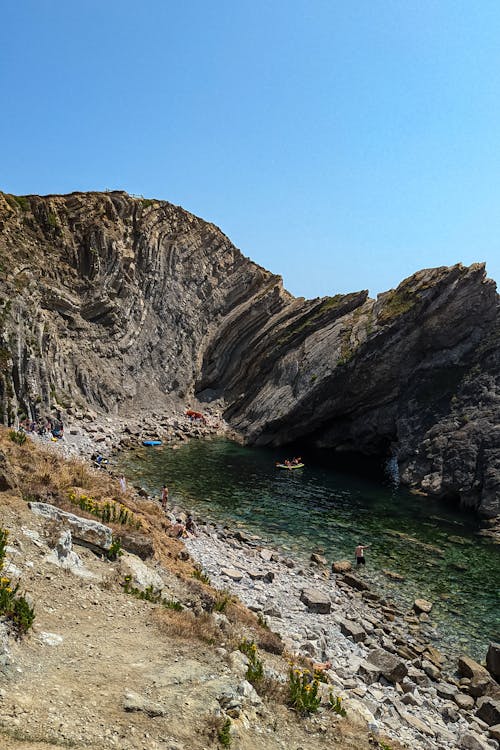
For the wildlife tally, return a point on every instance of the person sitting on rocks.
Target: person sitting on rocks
(179, 529)
(191, 527)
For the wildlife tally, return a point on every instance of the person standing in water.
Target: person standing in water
(360, 554)
(164, 497)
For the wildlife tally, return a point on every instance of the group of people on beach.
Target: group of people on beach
(44, 427)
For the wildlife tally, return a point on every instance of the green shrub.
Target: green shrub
(115, 550)
(303, 691)
(224, 734)
(255, 669)
(12, 606)
(17, 437)
(201, 576)
(150, 595)
(4, 536)
(222, 599)
(336, 704)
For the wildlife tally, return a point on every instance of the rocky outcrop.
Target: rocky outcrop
(127, 305)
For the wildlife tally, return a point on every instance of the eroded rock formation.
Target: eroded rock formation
(126, 304)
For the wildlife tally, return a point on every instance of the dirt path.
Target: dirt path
(96, 652)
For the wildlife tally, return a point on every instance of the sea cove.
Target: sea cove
(436, 550)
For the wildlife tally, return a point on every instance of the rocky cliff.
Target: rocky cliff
(128, 304)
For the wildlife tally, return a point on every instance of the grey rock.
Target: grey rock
(355, 582)
(391, 667)
(352, 630)
(368, 672)
(422, 605)
(134, 702)
(141, 576)
(92, 533)
(316, 601)
(446, 691)
(472, 741)
(341, 566)
(466, 702)
(493, 660)
(235, 575)
(488, 709)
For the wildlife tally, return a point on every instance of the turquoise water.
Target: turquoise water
(436, 549)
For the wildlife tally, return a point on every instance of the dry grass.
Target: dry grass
(186, 626)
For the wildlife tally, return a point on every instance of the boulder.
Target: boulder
(316, 601)
(138, 544)
(390, 666)
(369, 673)
(467, 667)
(446, 691)
(417, 724)
(352, 630)
(266, 554)
(232, 573)
(341, 566)
(422, 605)
(488, 709)
(495, 732)
(141, 576)
(431, 670)
(480, 686)
(465, 702)
(90, 533)
(354, 582)
(493, 660)
(318, 559)
(472, 741)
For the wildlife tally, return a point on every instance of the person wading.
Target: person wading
(360, 554)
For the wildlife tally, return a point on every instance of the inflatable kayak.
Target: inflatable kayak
(151, 442)
(292, 466)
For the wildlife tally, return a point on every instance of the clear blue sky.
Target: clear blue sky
(343, 144)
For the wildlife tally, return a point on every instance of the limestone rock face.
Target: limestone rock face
(123, 304)
(84, 530)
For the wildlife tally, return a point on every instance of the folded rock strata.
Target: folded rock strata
(125, 304)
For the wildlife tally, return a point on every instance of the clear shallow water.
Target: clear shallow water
(437, 550)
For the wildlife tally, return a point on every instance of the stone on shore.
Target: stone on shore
(467, 667)
(232, 573)
(488, 709)
(369, 673)
(352, 630)
(493, 660)
(354, 582)
(341, 566)
(463, 701)
(92, 533)
(422, 606)
(318, 559)
(471, 741)
(390, 666)
(316, 601)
